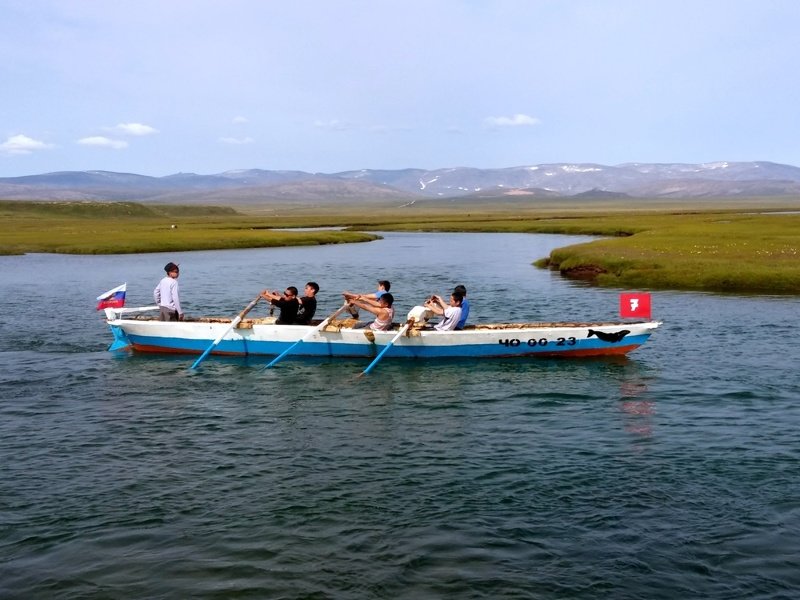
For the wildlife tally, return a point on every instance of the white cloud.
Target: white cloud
(333, 124)
(387, 128)
(239, 120)
(22, 144)
(103, 142)
(236, 141)
(134, 129)
(515, 121)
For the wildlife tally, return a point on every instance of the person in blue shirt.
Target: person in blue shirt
(464, 306)
(383, 287)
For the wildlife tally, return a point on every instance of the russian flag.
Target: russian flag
(112, 298)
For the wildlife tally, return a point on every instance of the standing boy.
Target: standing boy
(167, 295)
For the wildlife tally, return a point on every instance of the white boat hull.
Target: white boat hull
(257, 337)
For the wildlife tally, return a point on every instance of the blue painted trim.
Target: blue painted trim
(121, 340)
(245, 347)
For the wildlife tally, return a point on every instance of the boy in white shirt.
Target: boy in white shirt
(167, 295)
(451, 312)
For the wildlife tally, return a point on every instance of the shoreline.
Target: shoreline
(752, 248)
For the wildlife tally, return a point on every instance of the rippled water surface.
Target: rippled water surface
(674, 473)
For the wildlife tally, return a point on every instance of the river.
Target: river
(673, 473)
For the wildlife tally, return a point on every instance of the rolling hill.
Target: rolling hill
(258, 186)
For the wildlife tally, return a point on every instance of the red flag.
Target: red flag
(634, 305)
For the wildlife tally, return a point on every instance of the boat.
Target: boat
(138, 332)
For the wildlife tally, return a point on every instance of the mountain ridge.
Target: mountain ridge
(251, 186)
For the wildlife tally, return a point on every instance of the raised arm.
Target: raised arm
(436, 304)
(267, 295)
(367, 299)
(367, 305)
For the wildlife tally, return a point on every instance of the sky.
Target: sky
(158, 87)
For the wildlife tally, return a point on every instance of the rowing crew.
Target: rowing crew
(294, 310)
(454, 313)
(300, 311)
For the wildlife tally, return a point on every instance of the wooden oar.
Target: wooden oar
(234, 323)
(403, 329)
(318, 328)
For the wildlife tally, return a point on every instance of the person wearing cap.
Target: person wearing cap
(167, 295)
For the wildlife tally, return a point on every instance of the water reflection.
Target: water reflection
(637, 406)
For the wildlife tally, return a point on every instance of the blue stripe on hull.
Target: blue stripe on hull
(244, 347)
(330, 349)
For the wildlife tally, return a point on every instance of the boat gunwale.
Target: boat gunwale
(347, 324)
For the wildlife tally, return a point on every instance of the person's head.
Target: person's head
(386, 300)
(291, 292)
(172, 269)
(461, 290)
(311, 289)
(456, 298)
(384, 285)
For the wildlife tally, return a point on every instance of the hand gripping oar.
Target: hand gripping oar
(234, 323)
(403, 329)
(307, 336)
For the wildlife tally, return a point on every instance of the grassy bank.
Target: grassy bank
(127, 227)
(735, 246)
(710, 252)
(738, 250)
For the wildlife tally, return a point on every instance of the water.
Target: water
(674, 473)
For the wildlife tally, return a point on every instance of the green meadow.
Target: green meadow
(728, 250)
(742, 246)
(751, 253)
(128, 227)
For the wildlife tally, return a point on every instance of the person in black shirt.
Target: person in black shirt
(308, 304)
(286, 302)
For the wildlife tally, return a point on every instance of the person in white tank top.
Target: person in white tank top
(384, 312)
(383, 288)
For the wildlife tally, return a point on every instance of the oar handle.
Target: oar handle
(248, 308)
